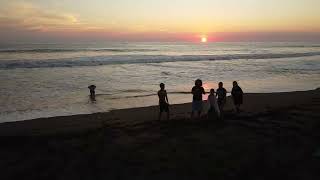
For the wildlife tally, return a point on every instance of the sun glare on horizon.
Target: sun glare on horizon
(204, 39)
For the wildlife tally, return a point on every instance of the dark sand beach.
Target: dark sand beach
(276, 136)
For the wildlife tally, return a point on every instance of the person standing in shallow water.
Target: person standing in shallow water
(92, 92)
(197, 92)
(222, 96)
(237, 95)
(163, 101)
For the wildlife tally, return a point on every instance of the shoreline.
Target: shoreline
(275, 137)
(254, 103)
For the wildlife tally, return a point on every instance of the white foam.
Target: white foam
(130, 59)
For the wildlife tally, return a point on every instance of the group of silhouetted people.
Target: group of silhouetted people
(216, 100)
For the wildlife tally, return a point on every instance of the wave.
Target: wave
(296, 46)
(145, 95)
(52, 50)
(134, 59)
(140, 95)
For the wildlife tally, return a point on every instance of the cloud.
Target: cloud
(28, 22)
(28, 16)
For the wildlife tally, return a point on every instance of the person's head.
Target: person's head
(92, 87)
(162, 86)
(235, 83)
(220, 84)
(198, 82)
(212, 91)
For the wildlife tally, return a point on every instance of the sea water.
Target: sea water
(44, 80)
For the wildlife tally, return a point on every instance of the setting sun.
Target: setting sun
(203, 39)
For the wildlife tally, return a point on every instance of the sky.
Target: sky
(159, 20)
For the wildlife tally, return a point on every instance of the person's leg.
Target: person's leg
(238, 108)
(219, 104)
(221, 110)
(168, 112)
(198, 108)
(222, 105)
(160, 111)
(92, 94)
(92, 97)
(234, 104)
(210, 113)
(193, 109)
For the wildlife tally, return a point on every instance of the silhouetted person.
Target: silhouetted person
(163, 101)
(222, 97)
(214, 111)
(237, 95)
(197, 92)
(92, 92)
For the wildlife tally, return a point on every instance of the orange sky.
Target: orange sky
(159, 20)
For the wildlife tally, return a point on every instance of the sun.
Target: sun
(204, 40)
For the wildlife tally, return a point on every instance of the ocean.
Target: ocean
(45, 80)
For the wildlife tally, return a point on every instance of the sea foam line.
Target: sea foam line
(133, 59)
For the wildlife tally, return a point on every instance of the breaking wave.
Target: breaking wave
(131, 59)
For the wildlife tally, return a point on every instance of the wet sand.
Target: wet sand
(275, 136)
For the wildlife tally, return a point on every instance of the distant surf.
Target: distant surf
(133, 59)
(52, 50)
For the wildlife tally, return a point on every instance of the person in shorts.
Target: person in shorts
(163, 101)
(222, 96)
(197, 92)
(237, 96)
